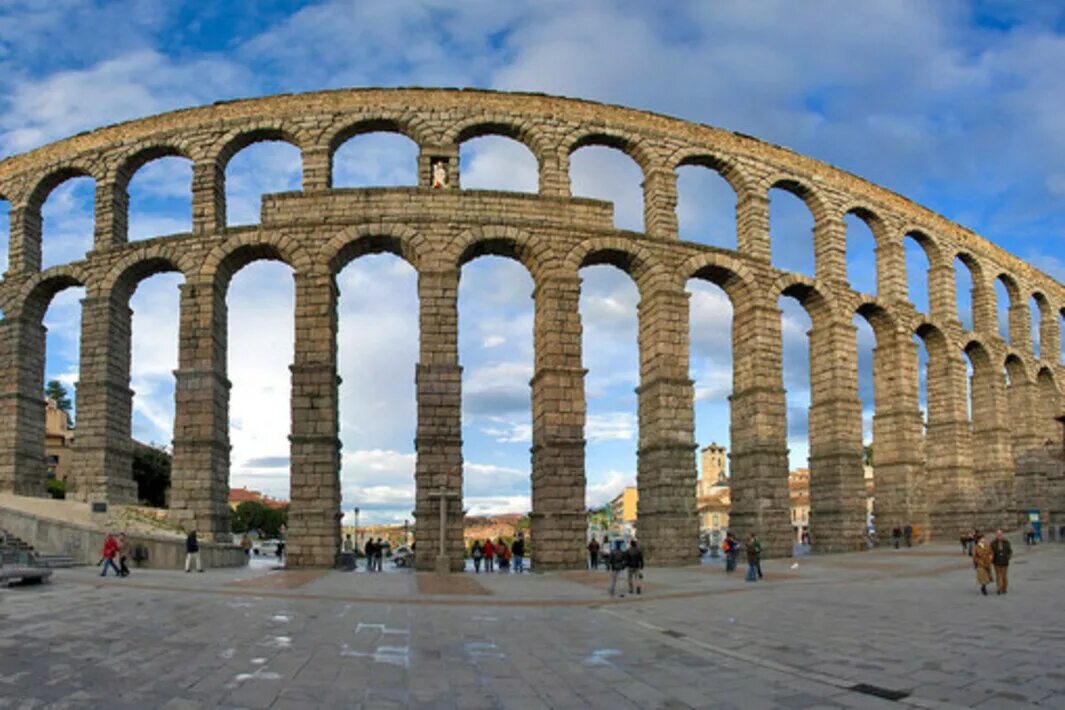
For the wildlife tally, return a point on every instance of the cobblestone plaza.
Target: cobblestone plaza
(810, 635)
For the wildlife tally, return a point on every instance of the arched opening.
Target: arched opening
(1061, 333)
(607, 173)
(376, 358)
(160, 198)
(495, 162)
(706, 205)
(496, 352)
(1004, 300)
(154, 307)
(608, 303)
(866, 347)
(861, 251)
(1050, 399)
(5, 234)
(1039, 308)
(918, 266)
(62, 358)
(791, 230)
(922, 379)
(67, 218)
(260, 303)
(260, 168)
(795, 326)
(376, 159)
(963, 288)
(992, 463)
(710, 368)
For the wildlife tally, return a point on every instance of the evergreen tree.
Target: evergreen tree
(55, 391)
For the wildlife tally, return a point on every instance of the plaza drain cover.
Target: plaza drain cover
(886, 693)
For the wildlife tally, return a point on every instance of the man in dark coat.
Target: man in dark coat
(1001, 552)
(634, 565)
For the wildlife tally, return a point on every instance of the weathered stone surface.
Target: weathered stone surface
(962, 468)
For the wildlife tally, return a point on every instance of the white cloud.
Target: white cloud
(604, 490)
(610, 426)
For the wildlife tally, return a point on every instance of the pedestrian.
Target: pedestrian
(896, 534)
(107, 557)
(758, 559)
(1001, 552)
(489, 555)
(617, 564)
(192, 552)
(370, 551)
(123, 554)
(477, 553)
(518, 550)
(732, 551)
(245, 544)
(634, 565)
(752, 559)
(379, 554)
(1029, 533)
(503, 555)
(348, 546)
(593, 553)
(982, 558)
(907, 534)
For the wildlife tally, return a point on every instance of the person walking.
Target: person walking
(503, 555)
(753, 561)
(1001, 552)
(192, 552)
(982, 558)
(379, 554)
(593, 553)
(732, 551)
(370, 552)
(907, 534)
(245, 544)
(489, 555)
(617, 564)
(124, 551)
(518, 550)
(477, 554)
(634, 565)
(107, 556)
(1029, 533)
(758, 560)
(896, 535)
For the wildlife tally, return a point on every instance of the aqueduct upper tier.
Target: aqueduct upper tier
(958, 469)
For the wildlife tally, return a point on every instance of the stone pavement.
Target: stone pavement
(910, 621)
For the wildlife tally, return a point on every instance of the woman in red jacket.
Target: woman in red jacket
(109, 552)
(489, 554)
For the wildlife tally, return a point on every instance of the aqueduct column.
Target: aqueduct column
(24, 239)
(102, 467)
(898, 437)
(438, 470)
(942, 292)
(992, 460)
(666, 470)
(1050, 338)
(660, 202)
(985, 318)
(759, 459)
(1029, 463)
(830, 248)
(891, 268)
(314, 513)
(1020, 326)
(948, 440)
(208, 196)
(752, 224)
(22, 464)
(559, 521)
(837, 482)
(199, 478)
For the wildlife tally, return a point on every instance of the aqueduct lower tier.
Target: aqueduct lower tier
(957, 470)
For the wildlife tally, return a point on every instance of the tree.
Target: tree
(151, 471)
(253, 515)
(867, 455)
(55, 391)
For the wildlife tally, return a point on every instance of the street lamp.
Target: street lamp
(406, 535)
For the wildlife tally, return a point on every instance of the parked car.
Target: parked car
(403, 556)
(264, 548)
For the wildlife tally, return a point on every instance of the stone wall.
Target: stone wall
(954, 470)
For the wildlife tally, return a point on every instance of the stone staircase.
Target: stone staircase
(13, 546)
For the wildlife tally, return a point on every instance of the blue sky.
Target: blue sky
(956, 105)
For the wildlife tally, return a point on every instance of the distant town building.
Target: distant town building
(799, 501)
(712, 495)
(623, 512)
(243, 495)
(58, 440)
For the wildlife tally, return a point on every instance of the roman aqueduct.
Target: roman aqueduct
(956, 470)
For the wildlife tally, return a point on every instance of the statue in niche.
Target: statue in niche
(439, 174)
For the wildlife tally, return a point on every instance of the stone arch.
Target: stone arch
(363, 125)
(735, 176)
(533, 252)
(239, 139)
(119, 199)
(32, 222)
(640, 263)
(1045, 331)
(802, 189)
(228, 258)
(731, 275)
(503, 126)
(1017, 330)
(126, 275)
(379, 238)
(934, 254)
(879, 230)
(804, 290)
(982, 312)
(36, 295)
(630, 145)
(805, 260)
